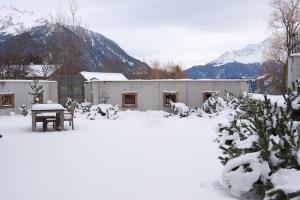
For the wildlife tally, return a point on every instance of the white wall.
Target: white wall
(150, 92)
(293, 69)
(20, 88)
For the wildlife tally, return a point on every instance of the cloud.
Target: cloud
(187, 31)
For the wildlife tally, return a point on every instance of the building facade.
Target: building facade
(155, 94)
(14, 93)
(293, 69)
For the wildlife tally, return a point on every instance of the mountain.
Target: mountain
(78, 49)
(242, 63)
(252, 53)
(14, 21)
(232, 70)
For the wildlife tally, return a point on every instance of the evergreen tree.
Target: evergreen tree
(270, 130)
(36, 91)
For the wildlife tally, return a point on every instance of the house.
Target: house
(294, 61)
(155, 94)
(14, 93)
(116, 89)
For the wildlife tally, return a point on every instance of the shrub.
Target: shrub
(269, 132)
(23, 110)
(180, 108)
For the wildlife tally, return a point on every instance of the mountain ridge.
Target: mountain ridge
(241, 63)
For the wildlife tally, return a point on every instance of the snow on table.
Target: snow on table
(141, 155)
(37, 107)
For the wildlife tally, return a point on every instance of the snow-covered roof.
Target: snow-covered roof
(102, 76)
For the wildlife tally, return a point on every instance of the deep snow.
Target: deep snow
(141, 155)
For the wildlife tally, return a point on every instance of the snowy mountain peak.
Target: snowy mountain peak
(252, 53)
(14, 21)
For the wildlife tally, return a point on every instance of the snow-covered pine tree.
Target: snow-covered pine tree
(262, 138)
(36, 91)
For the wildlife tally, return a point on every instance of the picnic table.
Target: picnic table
(45, 111)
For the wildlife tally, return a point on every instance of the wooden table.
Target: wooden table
(47, 108)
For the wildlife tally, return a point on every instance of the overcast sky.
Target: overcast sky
(188, 32)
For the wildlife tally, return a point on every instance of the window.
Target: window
(167, 96)
(129, 99)
(7, 100)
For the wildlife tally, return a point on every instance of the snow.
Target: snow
(101, 76)
(22, 20)
(239, 180)
(253, 53)
(273, 98)
(141, 155)
(287, 180)
(47, 107)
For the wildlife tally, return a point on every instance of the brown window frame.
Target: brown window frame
(124, 105)
(12, 100)
(165, 103)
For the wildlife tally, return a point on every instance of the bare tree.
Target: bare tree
(49, 67)
(166, 71)
(284, 23)
(73, 11)
(271, 80)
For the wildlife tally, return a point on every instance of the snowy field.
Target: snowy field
(141, 155)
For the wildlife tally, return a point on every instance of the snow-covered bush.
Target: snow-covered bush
(84, 107)
(180, 108)
(103, 110)
(241, 173)
(231, 100)
(269, 132)
(71, 104)
(214, 104)
(24, 110)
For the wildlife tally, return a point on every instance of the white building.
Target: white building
(14, 93)
(293, 69)
(154, 94)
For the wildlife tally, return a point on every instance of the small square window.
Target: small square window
(7, 100)
(129, 100)
(169, 96)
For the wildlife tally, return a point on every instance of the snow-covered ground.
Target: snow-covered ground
(141, 155)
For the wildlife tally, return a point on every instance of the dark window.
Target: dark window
(170, 96)
(7, 100)
(129, 100)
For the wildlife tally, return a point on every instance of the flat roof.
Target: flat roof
(25, 81)
(177, 80)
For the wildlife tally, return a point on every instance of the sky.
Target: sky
(186, 32)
